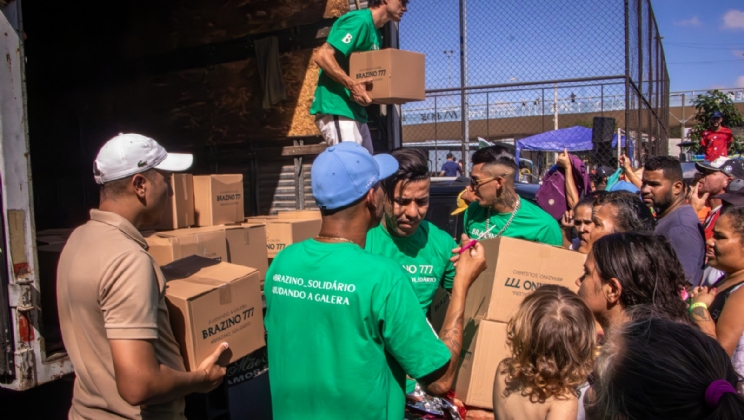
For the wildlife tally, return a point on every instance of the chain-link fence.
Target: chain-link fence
(534, 74)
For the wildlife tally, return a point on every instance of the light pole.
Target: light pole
(449, 53)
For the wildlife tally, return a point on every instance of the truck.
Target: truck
(191, 74)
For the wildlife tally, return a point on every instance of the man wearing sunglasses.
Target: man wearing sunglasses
(498, 210)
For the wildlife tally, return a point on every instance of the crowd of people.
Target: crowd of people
(654, 331)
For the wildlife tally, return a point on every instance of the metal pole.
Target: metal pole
(639, 85)
(555, 106)
(627, 82)
(488, 118)
(464, 82)
(543, 110)
(436, 137)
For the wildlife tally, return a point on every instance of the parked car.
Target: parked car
(443, 201)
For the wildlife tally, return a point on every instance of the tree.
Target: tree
(715, 100)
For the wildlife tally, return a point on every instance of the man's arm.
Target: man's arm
(141, 380)
(630, 176)
(325, 58)
(470, 265)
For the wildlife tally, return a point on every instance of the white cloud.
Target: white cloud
(689, 22)
(733, 19)
(739, 82)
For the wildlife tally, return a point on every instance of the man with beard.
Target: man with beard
(498, 210)
(344, 326)
(664, 190)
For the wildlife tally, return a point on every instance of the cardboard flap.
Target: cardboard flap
(194, 276)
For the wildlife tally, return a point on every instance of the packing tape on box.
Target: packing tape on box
(183, 186)
(223, 287)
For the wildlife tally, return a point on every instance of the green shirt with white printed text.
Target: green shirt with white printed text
(344, 328)
(352, 32)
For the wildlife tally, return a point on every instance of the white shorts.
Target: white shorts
(336, 129)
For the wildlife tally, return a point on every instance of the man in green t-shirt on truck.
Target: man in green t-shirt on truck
(344, 326)
(339, 101)
(498, 210)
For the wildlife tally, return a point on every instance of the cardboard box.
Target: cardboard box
(246, 245)
(210, 302)
(173, 245)
(515, 268)
(218, 199)
(438, 309)
(280, 233)
(180, 210)
(48, 240)
(397, 76)
(299, 214)
(484, 347)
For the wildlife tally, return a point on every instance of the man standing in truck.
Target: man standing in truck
(111, 295)
(340, 101)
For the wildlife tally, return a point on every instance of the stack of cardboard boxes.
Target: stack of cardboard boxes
(515, 269)
(213, 259)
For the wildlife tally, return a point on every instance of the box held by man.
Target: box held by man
(516, 268)
(484, 347)
(395, 76)
(211, 302)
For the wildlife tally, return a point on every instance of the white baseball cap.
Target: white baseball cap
(129, 154)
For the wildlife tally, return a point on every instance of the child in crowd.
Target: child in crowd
(552, 339)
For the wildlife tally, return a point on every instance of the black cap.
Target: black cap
(733, 168)
(734, 193)
(603, 172)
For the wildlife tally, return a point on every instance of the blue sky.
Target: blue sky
(703, 42)
(532, 40)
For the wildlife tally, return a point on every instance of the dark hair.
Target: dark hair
(646, 267)
(413, 165)
(116, 188)
(552, 339)
(450, 155)
(631, 214)
(737, 219)
(589, 199)
(660, 369)
(374, 3)
(495, 155)
(668, 165)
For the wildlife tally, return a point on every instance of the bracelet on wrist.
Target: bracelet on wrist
(698, 305)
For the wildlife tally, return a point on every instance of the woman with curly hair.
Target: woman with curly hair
(552, 340)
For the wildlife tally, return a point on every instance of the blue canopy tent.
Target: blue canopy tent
(575, 139)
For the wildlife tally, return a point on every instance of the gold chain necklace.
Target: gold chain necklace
(335, 238)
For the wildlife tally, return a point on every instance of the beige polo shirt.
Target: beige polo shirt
(108, 288)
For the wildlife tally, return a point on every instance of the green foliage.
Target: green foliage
(715, 100)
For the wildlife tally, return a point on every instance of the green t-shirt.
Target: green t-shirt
(531, 223)
(424, 255)
(352, 32)
(344, 328)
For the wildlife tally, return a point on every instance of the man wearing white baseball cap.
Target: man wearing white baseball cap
(344, 326)
(111, 295)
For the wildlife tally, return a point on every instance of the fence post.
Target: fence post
(627, 81)
(464, 117)
(488, 117)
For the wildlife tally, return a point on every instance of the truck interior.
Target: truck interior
(191, 74)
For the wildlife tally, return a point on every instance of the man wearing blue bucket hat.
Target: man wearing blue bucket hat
(716, 139)
(344, 326)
